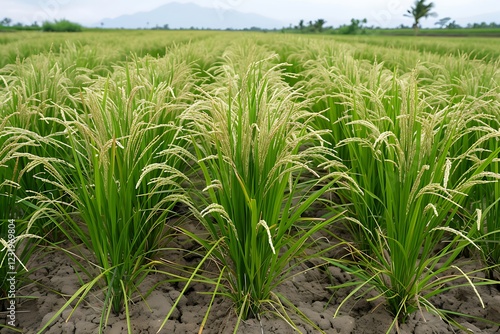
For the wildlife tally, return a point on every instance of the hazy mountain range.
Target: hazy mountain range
(188, 15)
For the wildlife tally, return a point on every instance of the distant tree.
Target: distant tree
(420, 10)
(301, 25)
(442, 22)
(318, 25)
(453, 25)
(61, 26)
(5, 22)
(485, 25)
(356, 27)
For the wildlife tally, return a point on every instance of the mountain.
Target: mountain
(187, 15)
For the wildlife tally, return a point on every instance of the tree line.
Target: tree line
(420, 10)
(56, 26)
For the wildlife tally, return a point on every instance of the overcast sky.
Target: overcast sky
(384, 13)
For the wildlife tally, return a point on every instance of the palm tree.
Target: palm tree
(5, 22)
(301, 25)
(442, 22)
(318, 25)
(420, 10)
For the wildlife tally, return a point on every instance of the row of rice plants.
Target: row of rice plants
(109, 46)
(99, 145)
(478, 48)
(15, 229)
(253, 143)
(36, 88)
(124, 127)
(27, 97)
(416, 161)
(486, 198)
(489, 218)
(91, 139)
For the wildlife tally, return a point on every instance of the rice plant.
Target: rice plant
(252, 138)
(398, 151)
(356, 91)
(16, 239)
(10, 210)
(35, 88)
(486, 198)
(117, 134)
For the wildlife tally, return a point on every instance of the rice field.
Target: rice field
(232, 166)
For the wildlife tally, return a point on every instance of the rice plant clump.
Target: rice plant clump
(119, 128)
(252, 137)
(401, 150)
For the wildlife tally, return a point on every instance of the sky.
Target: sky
(383, 13)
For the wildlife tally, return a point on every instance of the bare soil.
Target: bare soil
(54, 280)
